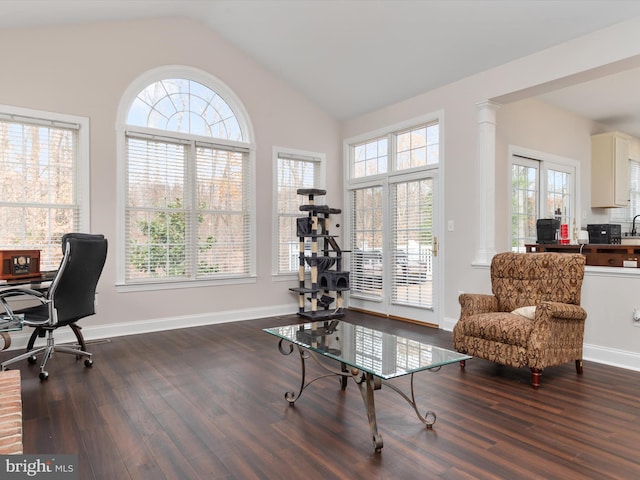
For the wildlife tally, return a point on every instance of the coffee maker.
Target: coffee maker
(547, 230)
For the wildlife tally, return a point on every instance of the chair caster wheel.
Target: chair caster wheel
(43, 376)
(88, 363)
(32, 360)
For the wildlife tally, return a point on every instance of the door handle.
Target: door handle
(435, 246)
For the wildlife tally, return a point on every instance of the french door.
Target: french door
(394, 246)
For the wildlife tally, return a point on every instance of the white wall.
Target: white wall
(84, 70)
(610, 336)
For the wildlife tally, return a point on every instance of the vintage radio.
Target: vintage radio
(19, 264)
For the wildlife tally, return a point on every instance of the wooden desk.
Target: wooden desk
(599, 255)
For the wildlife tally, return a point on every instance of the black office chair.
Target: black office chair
(70, 298)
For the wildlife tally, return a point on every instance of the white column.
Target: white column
(486, 184)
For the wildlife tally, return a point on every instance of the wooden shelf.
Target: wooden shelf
(599, 255)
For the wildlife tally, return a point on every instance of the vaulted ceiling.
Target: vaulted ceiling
(355, 56)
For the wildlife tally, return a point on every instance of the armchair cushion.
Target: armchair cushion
(528, 312)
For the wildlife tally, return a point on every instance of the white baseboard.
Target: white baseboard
(592, 353)
(612, 356)
(99, 332)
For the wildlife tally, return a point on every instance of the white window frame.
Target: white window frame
(320, 183)
(82, 178)
(219, 87)
(384, 179)
(546, 161)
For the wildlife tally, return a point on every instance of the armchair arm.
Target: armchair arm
(557, 335)
(560, 311)
(474, 303)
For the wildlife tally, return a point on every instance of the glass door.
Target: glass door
(394, 247)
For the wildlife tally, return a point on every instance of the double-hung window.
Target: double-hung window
(294, 170)
(540, 189)
(44, 183)
(188, 212)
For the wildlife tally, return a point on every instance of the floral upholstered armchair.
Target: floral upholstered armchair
(533, 319)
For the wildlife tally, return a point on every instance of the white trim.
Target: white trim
(611, 356)
(173, 285)
(112, 330)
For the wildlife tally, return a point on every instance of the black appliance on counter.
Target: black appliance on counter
(605, 233)
(548, 230)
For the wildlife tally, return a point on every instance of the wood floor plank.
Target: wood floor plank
(208, 403)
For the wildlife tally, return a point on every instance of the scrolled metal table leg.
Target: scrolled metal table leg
(367, 383)
(305, 354)
(429, 417)
(291, 396)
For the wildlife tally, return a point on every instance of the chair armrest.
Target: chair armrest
(19, 292)
(16, 292)
(563, 311)
(474, 303)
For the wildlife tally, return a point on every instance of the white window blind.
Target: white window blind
(367, 262)
(41, 194)
(222, 219)
(293, 172)
(157, 210)
(186, 222)
(412, 242)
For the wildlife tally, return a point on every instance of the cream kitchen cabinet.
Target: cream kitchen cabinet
(609, 170)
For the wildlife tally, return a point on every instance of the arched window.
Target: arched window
(185, 106)
(188, 201)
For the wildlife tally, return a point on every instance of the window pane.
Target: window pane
(370, 158)
(223, 214)
(524, 206)
(558, 196)
(157, 217)
(417, 147)
(412, 243)
(367, 242)
(186, 106)
(38, 188)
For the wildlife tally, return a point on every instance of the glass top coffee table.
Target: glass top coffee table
(369, 356)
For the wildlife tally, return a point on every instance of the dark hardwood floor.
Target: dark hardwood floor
(208, 403)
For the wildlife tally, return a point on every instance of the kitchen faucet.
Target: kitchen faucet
(633, 226)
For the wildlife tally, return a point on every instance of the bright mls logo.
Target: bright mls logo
(51, 467)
